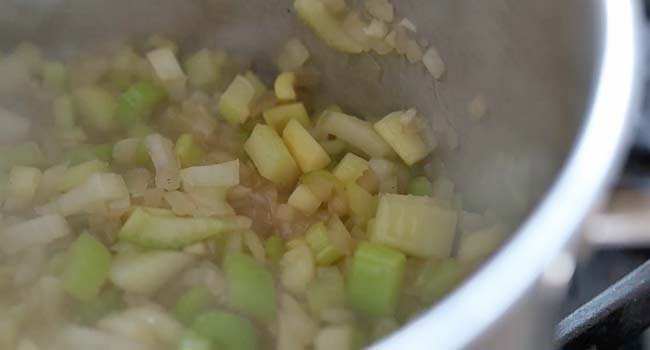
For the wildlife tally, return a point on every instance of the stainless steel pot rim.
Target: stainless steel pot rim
(464, 315)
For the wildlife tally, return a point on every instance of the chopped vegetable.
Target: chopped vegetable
(326, 292)
(326, 25)
(476, 246)
(285, 86)
(304, 200)
(336, 337)
(192, 303)
(328, 245)
(375, 279)
(54, 76)
(297, 269)
(25, 154)
(435, 279)
(380, 9)
(226, 331)
(250, 287)
(271, 156)
(64, 112)
(21, 187)
(14, 127)
(149, 229)
(235, 102)
(98, 188)
(189, 153)
(420, 186)
(274, 248)
(416, 225)
(165, 64)
(97, 106)
(278, 117)
(434, 63)
(145, 273)
(293, 56)
(34, 232)
(78, 174)
(161, 151)
(137, 103)
(107, 302)
(256, 82)
(350, 168)
(362, 204)
(308, 153)
(477, 108)
(356, 132)
(322, 184)
(407, 143)
(222, 175)
(204, 68)
(87, 267)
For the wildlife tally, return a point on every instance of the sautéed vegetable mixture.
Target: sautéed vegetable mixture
(160, 199)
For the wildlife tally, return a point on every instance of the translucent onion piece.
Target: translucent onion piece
(223, 175)
(14, 127)
(381, 9)
(165, 161)
(434, 63)
(293, 56)
(34, 232)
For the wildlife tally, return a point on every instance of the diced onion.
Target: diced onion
(137, 180)
(21, 187)
(77, 337)
(255, 245)
(413, 51)
(223, 175)
(146, 324)
(14, 127)
(381, 9)
(180, 203)
(376, 29)
(296, 330)
(477, 108)
(298, 269)
(99, 188)
(125, 151)
(165, 64)
(34, 232)
(406, 23)
(293, 56)
(434, 63)
(165, 161)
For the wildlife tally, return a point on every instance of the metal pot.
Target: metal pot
(561, 79)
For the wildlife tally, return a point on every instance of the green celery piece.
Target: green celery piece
(138, 102)
(77, 174)
(375, 279)
(64, 111)
(437, 278)
(148, 230)
(103, 152)
(275, 248)
(420, 186)
(97, 106)
(188, 151)
(192, 303)
(193, 341)
(55, 76)
(108, 301)
(88, 263)
(327, 291)
(324, 250)
(226, 331)
(250, 286)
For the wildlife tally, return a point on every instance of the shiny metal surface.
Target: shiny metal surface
(553, 72)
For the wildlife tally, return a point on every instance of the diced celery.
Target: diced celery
(193, 341)
(326, 25)
(326, 292)
(150, 230)
(192, 303)
(256, 82)
(275, 248)
(251, 290)
(363, 205)
(87, 266)
(226, 331)
(203, 68)
(107, 302)
(350, 168)
(217, 175)
(298, 269)
(188, 151)
(327, 245)
(303, 199)
(137, 103)
(416, 225)
(54, 76)
(420, 186)
(322, 184)
(375, 279)
(145, 273)
(97, 106)
(271, 156)
(63, 111)
(407, 143)
(78, 174)
(278, 117)
(308, 153)
(21, 187)
(285, 86)
(356, 132)
(437, 278)
(235, 102)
